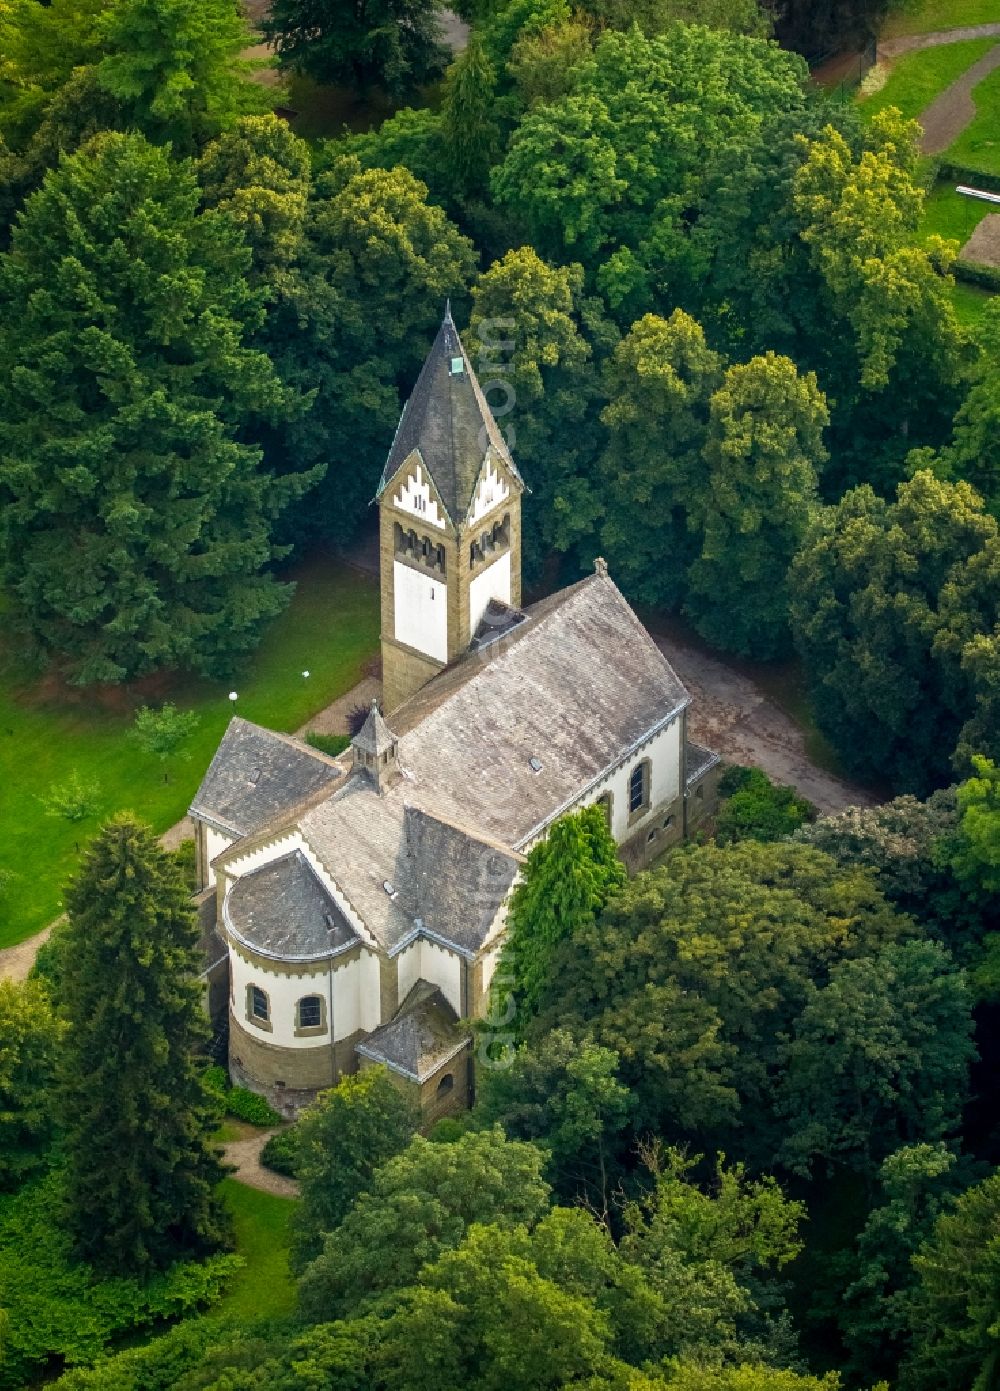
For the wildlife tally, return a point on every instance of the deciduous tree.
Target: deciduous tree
(29, 1043)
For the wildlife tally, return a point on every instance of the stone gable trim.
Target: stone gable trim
(425, 932)
(636, 747)
(223, 827)
(403, 475)
(374, 1057)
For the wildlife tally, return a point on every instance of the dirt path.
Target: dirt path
(909, 43)
(245, 1156)
(733, 716)
(950, 113)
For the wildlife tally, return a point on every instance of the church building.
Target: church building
(358, 903)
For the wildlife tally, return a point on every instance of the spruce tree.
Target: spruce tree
(135, 523)
(471, 127)
(141, 1176)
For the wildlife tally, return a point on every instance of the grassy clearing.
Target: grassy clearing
(970, 301)
(264, 1288)
(979, 144)
(949, 214)
(917, 78)
(930, 16)
(47, 734)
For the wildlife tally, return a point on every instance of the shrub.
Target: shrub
(331, 744)
(73, 800)
(247, 1106)
(60, 1308)
(756, 809)
(281, 1153)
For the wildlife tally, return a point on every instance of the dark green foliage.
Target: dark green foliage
(956, 1303)
(159, 1366)
(696, 973)
(342, 1140)
(29, 1042)
(135, 525)
(470, 129)
(281, 1152)
(247, 1106)
(566, 882)
(332, 744)
(755, 808)
(141, 1175)
(886, 598)
(564, 1095)
(420, 1204)
(61, 1309)
(392, 44)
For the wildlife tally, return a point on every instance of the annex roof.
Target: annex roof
(257, 774)
(420, 1039)
(283, 909)
(448, 421)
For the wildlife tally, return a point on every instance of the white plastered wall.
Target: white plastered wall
(492, 583)
(215, 843)
(424, 960)
(421, 611)
(414, 497)
(491, 490)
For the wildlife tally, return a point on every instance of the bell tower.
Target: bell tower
(449, 522)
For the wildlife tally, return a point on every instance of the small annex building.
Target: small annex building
(354, 907)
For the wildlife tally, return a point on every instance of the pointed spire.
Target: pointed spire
(447, 313)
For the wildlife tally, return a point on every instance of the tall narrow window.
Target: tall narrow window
(310, 1012)
(259, 1002)
(637, 788)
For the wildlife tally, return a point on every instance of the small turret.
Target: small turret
(376, 749)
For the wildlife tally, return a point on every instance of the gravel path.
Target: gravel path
(244, 1155)
(733, 716)
(894, 48)
(947, 116)
(983, 247)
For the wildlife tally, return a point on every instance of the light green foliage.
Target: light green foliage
(341, 1140)
(658, 383)
(60, 1308)
(567, 880)
(136, 525)
(72, 800)
(140, 1173)
(391, 44)
(259, 174)
(763, 453)
(162, 733)
(956, 1305)
(176, 68)
(976, 857)
(542, 62)
(420, 1204)
(748, 1378)
(534, 332)
(878, 1057)
(603, 173)
(882, 609)
(41, 45)
(755, 808)
(563, 1094)
(29, 1042)
(916, 1184)
(249, 1106)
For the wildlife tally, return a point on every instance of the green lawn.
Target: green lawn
(979, 144)
(48, 733)
(970, 301)
(917, 78)
(949, 214)
(928, 16)
(264, 1288)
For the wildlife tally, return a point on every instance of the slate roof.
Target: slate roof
(576, 689)
(698, 761)
(445, 419)
(374, 736)
(400, 868)
(257, 774)
(283, 909)
(422, 1036)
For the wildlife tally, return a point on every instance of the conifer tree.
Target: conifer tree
(135, 522)
(471, 129)
(140, 1173)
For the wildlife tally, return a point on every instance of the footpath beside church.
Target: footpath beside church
(354, 908)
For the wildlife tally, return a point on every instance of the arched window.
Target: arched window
(310, 1012)
(258, 1005)
(638, 788)
(446, 1084)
